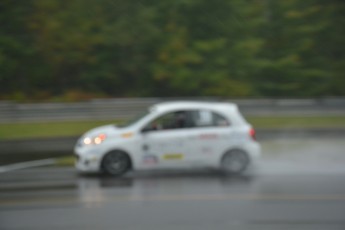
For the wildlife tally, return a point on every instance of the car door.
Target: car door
(165, 142)
(210, 136)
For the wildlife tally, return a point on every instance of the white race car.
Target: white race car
(172, 135)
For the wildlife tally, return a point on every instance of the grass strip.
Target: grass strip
(10, 131)
(298, 122)
(65, 161)
(47, 129)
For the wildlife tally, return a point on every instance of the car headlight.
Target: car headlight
(96, 140)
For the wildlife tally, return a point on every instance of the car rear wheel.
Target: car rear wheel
(234, 161)
(116, 163)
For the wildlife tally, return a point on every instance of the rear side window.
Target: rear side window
(187, 119)
(206, 118)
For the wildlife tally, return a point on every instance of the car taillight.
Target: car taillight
(252, 134)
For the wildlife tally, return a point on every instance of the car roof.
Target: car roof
(172, 105)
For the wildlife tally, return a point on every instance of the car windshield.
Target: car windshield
(133, 120)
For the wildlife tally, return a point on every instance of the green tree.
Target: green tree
(252, 48)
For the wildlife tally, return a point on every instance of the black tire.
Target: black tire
(234, 161)
(116, 163)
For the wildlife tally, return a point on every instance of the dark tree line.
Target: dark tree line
(58, 49)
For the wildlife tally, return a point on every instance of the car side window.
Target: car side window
(206, 118)
(173, 120)
(202, 118)
(219, 120)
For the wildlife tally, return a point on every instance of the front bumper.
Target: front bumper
(87, 161)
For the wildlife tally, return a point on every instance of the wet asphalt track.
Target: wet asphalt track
(299, 184)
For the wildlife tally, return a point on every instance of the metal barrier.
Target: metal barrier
(102, 109)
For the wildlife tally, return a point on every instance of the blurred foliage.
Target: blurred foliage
(79, 49)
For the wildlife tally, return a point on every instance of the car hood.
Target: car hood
(106, 129)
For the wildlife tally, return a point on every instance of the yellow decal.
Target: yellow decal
(127, 135)
(93, 159)
(175, 156)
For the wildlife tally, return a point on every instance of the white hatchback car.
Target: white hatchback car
(172, 135)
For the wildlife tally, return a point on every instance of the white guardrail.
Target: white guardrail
(107, 109)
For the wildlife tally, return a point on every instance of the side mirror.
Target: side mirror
(150, 127)
(146, 129)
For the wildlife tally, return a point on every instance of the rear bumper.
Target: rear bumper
(254, 151)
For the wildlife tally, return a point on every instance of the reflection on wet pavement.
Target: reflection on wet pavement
(149, 184)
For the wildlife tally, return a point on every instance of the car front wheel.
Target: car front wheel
(116, 163)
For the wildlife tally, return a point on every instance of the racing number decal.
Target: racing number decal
(150, 159)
